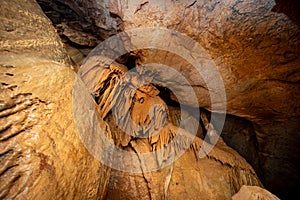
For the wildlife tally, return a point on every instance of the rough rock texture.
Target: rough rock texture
(218, 175)
(253, 193)
(84, 23)
(239, 133)
(41, 155)
(255, 46)
(187, 178)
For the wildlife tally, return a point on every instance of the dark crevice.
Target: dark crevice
(141, 6)
(290, 8)
(4, 84)
(65, 39)
(239, 134)
(8, 169)
(129, 60)
(5, 154)
(10, 135)
(165, 95)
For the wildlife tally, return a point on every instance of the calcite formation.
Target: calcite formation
(140, 123)
(255, 46)
(45, 136)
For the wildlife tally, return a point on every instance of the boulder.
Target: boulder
(253, 193)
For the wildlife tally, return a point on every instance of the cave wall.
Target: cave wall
(255, 46)
(257, 53)
(41, 154)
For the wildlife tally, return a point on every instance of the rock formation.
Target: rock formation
(253, 45)
(125, 103)
(42, 156)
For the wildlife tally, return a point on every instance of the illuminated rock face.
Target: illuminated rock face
(41, 155)
(255, 46)
(123, 105)
(255, 49)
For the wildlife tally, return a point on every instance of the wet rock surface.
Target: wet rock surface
(253, 44)
(217, 175)
(42, 156)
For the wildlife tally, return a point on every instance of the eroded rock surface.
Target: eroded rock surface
(84, 23)
(255, 46)
(255, 49)
(140, 122)
(41, 154)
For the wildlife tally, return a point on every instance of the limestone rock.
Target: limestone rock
(187, 178)
(41, 156)
(254, 44)
(255, 47)
(82, 22)
(164, 159)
